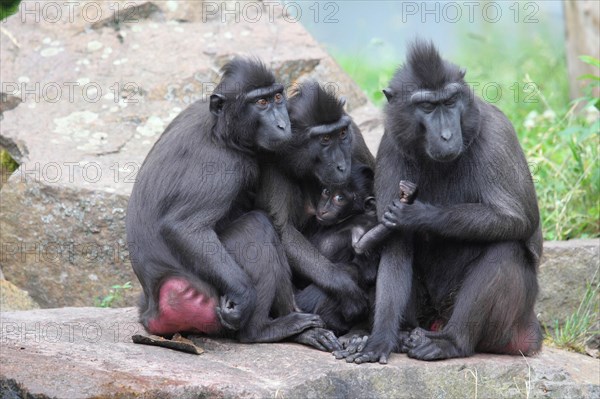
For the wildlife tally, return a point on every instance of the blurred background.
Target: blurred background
(515, 54)
(63, 239)
(536, 60)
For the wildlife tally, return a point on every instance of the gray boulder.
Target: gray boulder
(14, 298)
(566, 269)
(96, 94)
(88, 352)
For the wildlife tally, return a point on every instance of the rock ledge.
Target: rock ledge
(87, 352)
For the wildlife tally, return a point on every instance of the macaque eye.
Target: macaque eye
(427, 106)
(339, 199)
(325, 192)
(326, 139)
(278, 97)
(344, 133)
(452, 100)
(262, 102)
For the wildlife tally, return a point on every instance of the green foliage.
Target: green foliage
(7, 163)
(567, 160)
(580, 325)
(594, 82)
(114, 296)
(528, 82)
(8, 8)
(371, 78)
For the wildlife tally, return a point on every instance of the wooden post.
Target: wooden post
(582, 26)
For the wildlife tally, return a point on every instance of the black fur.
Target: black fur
(469, 246)
(425, 69)
(311, 104)
(304, 157)
(303, 167)
(190, 211)
(333, 231)
(243, 75)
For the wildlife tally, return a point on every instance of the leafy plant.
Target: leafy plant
(594, 81)
(8, 8)
(115, 295)
(7, 162)
(7, 166)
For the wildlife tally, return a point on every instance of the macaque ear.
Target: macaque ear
(463, 72)
(370, 204)
(342, 101)
(216, 103)
(367, 173)
(389, 94)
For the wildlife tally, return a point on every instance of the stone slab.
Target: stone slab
(87, 352)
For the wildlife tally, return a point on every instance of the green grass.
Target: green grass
(579, 326)
(115, 296)
(559, 139)
(371, 78)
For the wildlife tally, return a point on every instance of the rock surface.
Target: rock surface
(566, 268)
(87, 352)
(14, 298)
(97, 89)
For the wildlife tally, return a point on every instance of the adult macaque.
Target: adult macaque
(472, 237)
(206, 260)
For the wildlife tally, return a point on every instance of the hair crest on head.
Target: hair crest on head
(243, 74)
(311, 104)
